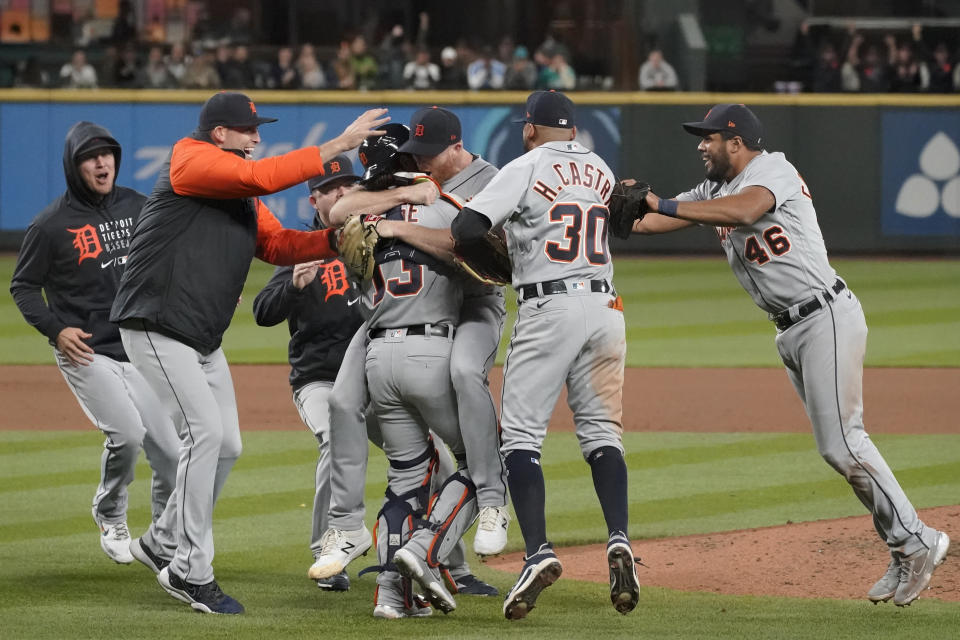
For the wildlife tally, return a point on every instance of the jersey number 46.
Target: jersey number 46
(585, 232)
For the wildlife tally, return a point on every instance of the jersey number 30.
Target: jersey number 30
(593, 238)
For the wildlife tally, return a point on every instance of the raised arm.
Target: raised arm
(361, 201)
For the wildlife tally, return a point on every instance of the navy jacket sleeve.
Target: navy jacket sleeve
(277, 298)
(29, 275)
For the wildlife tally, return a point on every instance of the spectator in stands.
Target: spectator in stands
(558, 74)
(656, 74)
(243, 72)
(486, 72)
(362, 63)
(392, 59)
(343, 67)
(941, 70)
(202, 72)
(205, 31)
(826, 71)
(907, 73)
(240, 30)
(522, 73)
(178, 61)
(283, 73)
(155, 74)
(312, 75)
(506, 49)
(128, 69)
(420, 73)
(225, 65)
(452, 74)
(868, 74)
(78, 74)
(124, 25)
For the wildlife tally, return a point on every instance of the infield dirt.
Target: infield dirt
(822, 559)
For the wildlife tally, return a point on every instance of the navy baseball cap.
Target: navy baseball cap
(432, 129)
(227, 109)
(549, 109)
(735, 118)
(338, 168)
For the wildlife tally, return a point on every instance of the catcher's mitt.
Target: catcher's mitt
(356, 243)
(486, 260)
(627, 204)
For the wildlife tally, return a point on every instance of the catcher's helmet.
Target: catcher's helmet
(381, 155)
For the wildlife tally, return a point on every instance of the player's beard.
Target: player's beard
(719, 165)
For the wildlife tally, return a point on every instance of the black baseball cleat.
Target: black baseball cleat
(540, 571)
(471, 585)
(206, 598)
(339, 582)
(624, 585)
(146, 556)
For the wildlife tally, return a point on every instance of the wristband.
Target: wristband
(668, 207)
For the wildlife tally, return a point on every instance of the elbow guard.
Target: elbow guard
(469, 226)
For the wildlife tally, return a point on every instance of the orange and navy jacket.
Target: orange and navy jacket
(73, 254)
(198, 232)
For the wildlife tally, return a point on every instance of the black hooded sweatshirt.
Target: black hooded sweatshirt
(75, 250)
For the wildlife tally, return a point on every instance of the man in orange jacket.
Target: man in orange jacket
(189, 257)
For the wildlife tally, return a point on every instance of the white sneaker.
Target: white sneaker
(115, 541)
(491, 535)
(338, 549)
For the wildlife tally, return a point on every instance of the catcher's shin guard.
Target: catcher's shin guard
(451, 513)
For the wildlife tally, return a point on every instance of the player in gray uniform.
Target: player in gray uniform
(415, 301)
(462, 174)
(764, 216)
(552, 202)
(65, 280)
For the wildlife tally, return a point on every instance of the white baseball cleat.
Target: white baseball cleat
(886, 587)
(412, 566)
(391, 604)
(338, 548)
(917, 568)
(491, 535)
(115, 541)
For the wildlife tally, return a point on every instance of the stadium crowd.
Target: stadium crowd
(228, 56)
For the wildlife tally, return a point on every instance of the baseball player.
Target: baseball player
(439, 149)
(319, 302)
(73, 253)
(552, 202)
(189, 256)
(415, 301)
(764, 216)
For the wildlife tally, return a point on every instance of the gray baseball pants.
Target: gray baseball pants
(119, 402)
(198, 390)
(824, 355)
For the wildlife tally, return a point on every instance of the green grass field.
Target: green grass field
(56, 583)
(680, 313)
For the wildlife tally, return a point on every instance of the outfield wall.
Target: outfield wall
(884, 170)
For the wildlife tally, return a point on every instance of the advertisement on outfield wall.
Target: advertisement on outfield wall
(921, 173)
(32, 134)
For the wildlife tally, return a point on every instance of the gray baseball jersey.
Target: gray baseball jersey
(552, 201)
(780, 258)
(781, 261)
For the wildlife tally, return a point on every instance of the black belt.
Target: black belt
(553, 287)
(783, 320)
(441, 330)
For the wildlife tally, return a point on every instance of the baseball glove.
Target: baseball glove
(627, 204)
(486, 260)
(356, 243)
